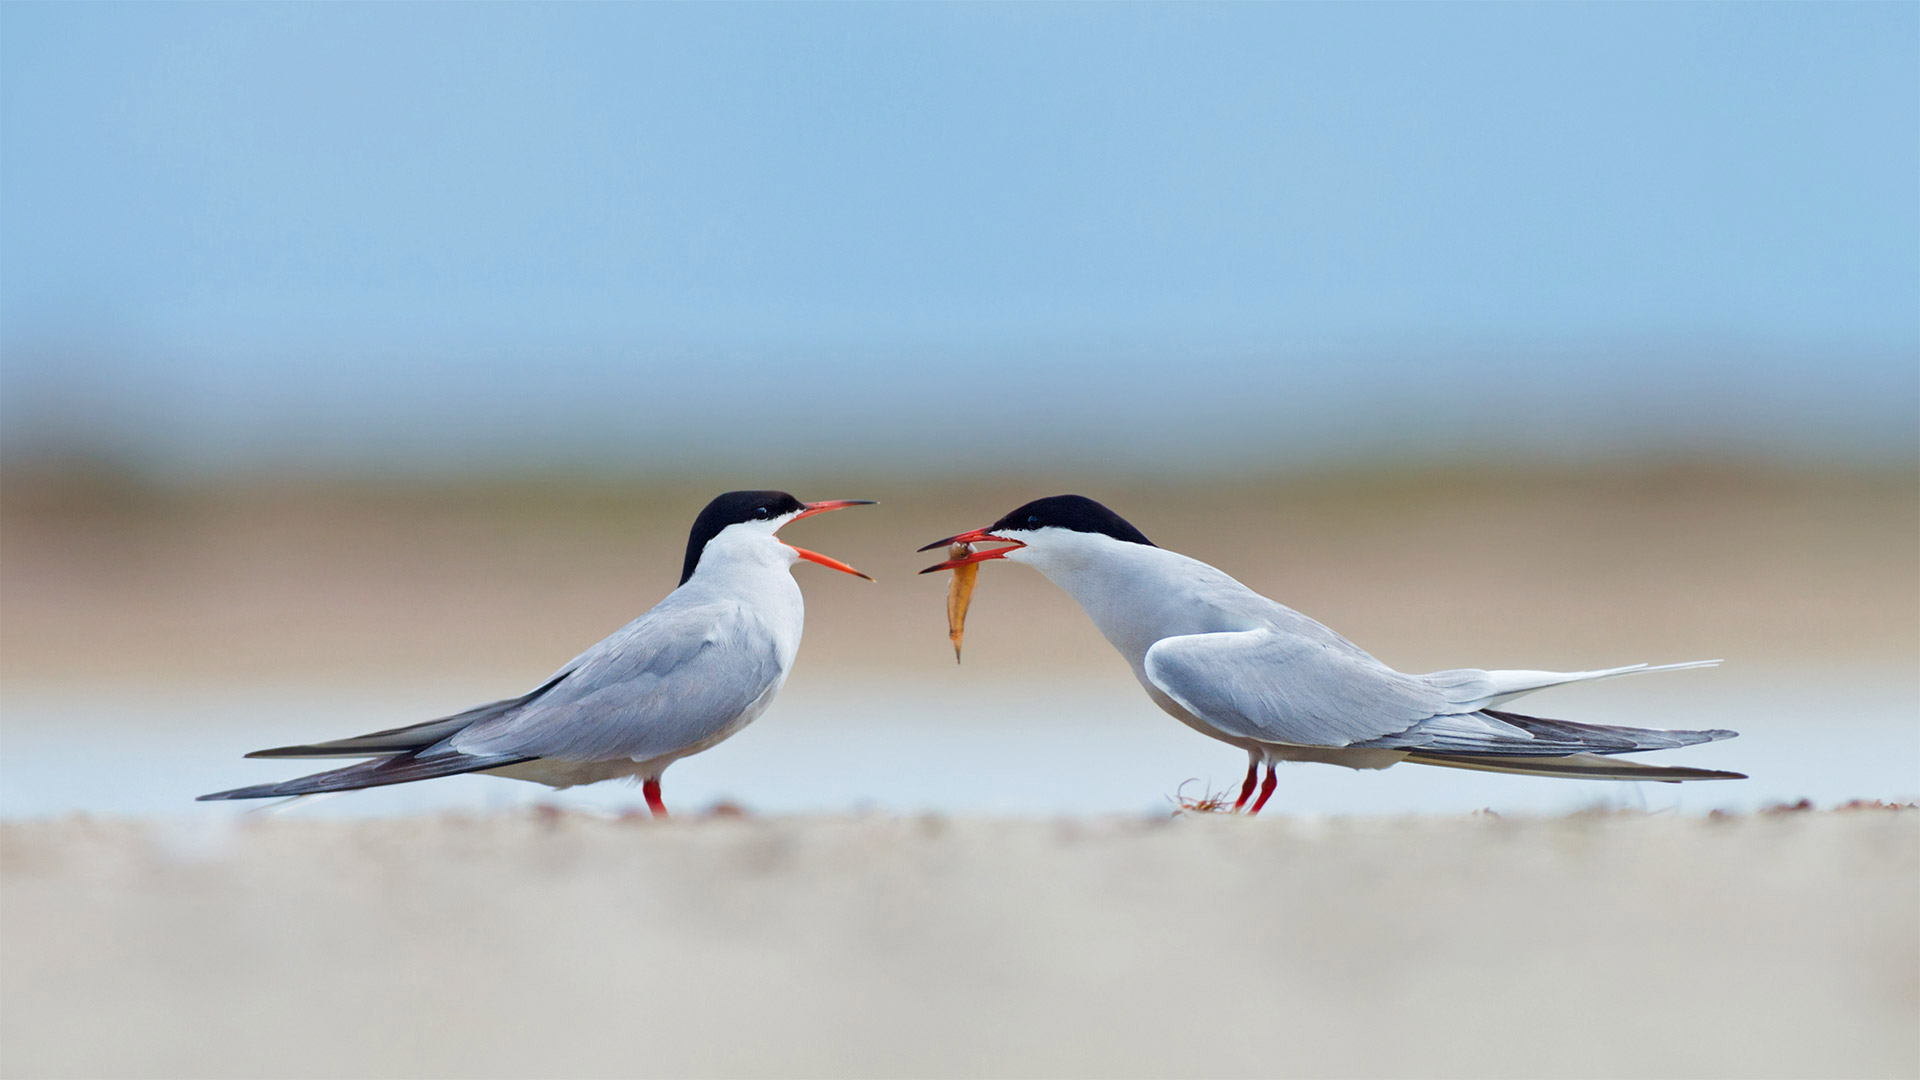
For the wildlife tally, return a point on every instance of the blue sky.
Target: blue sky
(508, 234)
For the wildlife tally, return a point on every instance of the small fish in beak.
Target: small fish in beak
(964, 559)
(959, 595)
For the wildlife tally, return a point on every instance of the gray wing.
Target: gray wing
(1272, 686)
(669, 680)
(1287, 688)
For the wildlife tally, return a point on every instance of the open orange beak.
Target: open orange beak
(974, 537)
(825, 560)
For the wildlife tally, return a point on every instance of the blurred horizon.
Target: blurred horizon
(1156, 240)
(996, 417)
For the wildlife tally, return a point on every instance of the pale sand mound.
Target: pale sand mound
(1774, 945)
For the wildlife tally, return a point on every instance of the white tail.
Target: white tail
(1507, 685)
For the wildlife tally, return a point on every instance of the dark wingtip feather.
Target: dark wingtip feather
(1572, 767)
(398, 769)
(1676, 773)
(258, 791)
(321, 750)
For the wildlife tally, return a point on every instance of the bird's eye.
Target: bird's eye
(760, 511)
(1033, 519)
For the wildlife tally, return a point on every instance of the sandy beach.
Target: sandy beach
(1779, 944)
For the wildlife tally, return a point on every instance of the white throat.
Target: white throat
(746, 550)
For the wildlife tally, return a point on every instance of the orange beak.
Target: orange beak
(831, 504)
(826, 560)
(974, 537)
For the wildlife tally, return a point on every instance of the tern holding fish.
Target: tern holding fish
(959, 593)
(1248, 671)
(701, 665)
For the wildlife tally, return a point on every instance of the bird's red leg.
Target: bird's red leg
(651, 788)
(1266, 790)
(1246, 786)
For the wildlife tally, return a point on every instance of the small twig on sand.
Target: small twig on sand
(1209, 802)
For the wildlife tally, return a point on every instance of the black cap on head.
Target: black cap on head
(731, 509)
(1076, 512)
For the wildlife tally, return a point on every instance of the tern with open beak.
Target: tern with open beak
(697, 668)
(1239, 667)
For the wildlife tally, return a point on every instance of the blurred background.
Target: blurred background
(359, 363)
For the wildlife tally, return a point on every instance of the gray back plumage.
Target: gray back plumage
(673, 678)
